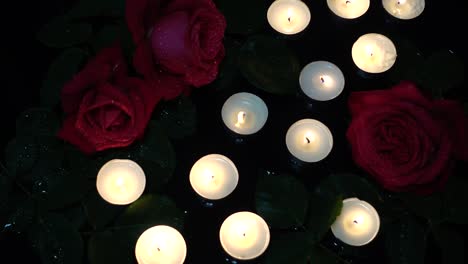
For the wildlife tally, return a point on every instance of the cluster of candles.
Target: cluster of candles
(245, 235)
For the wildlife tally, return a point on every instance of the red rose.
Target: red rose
(178, 40)
(105, 108)
(406, 141)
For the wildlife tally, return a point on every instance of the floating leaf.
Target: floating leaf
(22, 218)
(350, 185)
(296, 247)
(291, 247)
(430, 207)
(57, 241)
(229, 75)
(451, 243)
(442, 72)
(281, 200)
(326, 207)
(21, 154)
(116, 246)
(242, 20)
(152, 210)
(37, 122)
(178, 117)
(62, 70)
(100, 213)
(107, 36)
(5, 187)
(405, 241)
(268, 64)
(62, 33)
(155, 147)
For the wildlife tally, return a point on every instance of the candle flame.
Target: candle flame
(241, 116)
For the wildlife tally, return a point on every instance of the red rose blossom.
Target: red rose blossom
(177, 40)
(105, 108)
(406, 141)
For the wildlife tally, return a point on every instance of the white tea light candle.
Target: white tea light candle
(214, 176)
(244, 235)
(309, 140)
(374, 53)
(321, 80)
(404, 9)
(161, 245)
(244, 113)
(120, 181)
(358, 223)
(288, 16)
(349, 9)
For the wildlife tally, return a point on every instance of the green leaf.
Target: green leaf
(75, 215)
(22, 218)
(92, 8)
(116, 246)
(405, 241)
(61, 33)
(152, 210)
(229, 77)
(268, 64)
(21, 154)
(155, 147)
(281, 200)
(296, 247)
(326, 208)
(100, 213)
(451, 243)
(430, 207)
(242, 20)
(178, 117)
(57, 241)
(350, 186)
(37, 122)
(442, 72)
(291, 247)
(455, 197)
(62, 70)
(108, 35)
(57, 188)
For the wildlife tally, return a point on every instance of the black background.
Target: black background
(328, 37)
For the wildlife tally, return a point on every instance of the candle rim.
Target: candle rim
(127, 163)
(332, 68)
(217, 157)
(162, 227)
(380, 38)
(249, 99)
(303, 7)
(372, 211)
(259, 220)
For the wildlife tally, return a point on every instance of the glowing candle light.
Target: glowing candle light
(374, 53)
(358, 223)
(349, 9)
(321, 80)
(244, 113)
(120, 181)
(288, 16)
(404, 9)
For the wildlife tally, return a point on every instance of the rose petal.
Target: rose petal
(178, 5)
(69, 133)
(135, 11)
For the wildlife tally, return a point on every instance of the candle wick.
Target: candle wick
(348, 2)
(212, 176)
(398, 2)
(243, 234)
(372, 54)
(289, 19)
(356, 222)
(308, 140)
(322, 79)
(158, 249)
